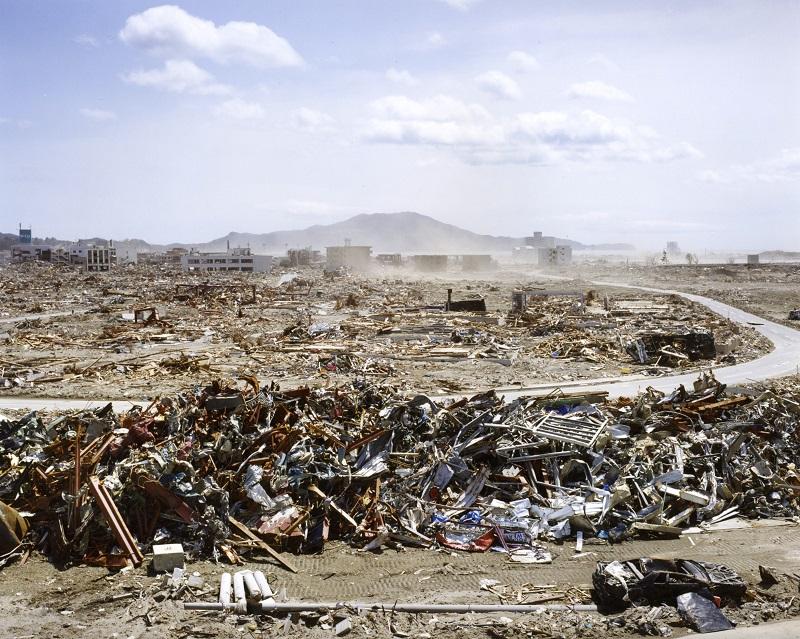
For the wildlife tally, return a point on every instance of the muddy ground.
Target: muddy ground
(38, 599)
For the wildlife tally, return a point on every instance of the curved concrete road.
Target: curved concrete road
(783, 360)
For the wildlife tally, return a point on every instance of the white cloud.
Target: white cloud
(461, 5)
(598, 91)
(86, 40)
(784, 167)
(440, 108)
(435, 39)
(523, 62)
(441, 120)
(713, 177)
(546, 137)
(401, 76)
(170, 31)
(239, 109)
(499, 85)
(605, 62)
(100, 115)
(312, 121)
(178, 76)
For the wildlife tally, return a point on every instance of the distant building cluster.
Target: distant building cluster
(92, 256)
(98, 256)
(360, 259)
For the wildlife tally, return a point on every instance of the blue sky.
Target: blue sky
(599, 121)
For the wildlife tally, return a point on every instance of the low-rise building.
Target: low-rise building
(38, 253)
(301, 256)
(390, 259)
(430, 263)
(241, 260)
(476, 263)
(356, 258)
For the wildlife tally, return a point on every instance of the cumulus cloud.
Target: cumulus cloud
(461, 5)
(523, 62)
(86, 40)
(440, 108)
(440, 120)
(178, 76)
(312, 121)
(239, 109)
(100, 115)
(544, 137)
(598, 91)
(499, 85)
(401, 76)
(170, 31)
(784, 167)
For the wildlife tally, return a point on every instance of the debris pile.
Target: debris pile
(64, 333)
(233, 468)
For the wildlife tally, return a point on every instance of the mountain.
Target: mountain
(405, 232)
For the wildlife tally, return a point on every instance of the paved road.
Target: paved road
(783, 360)
(780, 630)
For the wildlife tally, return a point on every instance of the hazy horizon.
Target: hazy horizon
(609, 122)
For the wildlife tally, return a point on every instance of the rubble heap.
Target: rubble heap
(233, 468)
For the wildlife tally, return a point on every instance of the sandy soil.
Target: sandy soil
(38, 599)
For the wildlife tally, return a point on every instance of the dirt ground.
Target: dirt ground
(768, 290)
(38, 599)
(320, 331)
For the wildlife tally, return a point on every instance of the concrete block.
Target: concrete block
(167, 557)
(343, 627)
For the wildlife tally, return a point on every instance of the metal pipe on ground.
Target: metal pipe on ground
(268, 607)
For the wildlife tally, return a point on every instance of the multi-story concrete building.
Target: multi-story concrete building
(557, 256)
(241, 260)
(93, 257)
(537, 240)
